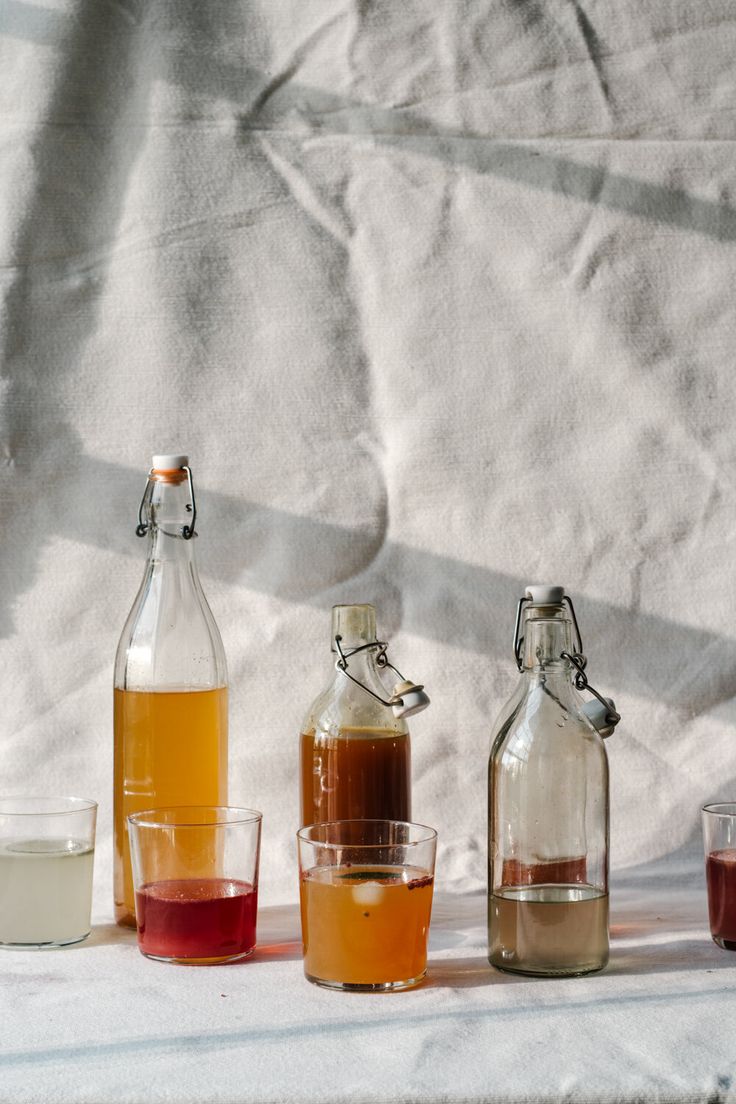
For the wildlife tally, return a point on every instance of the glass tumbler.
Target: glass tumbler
(719, 840)
(195, 875)
(366, 900)
(47, 847)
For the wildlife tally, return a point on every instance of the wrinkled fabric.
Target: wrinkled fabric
(438, 299)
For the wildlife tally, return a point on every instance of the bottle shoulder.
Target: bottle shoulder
(541, 721)
(170, 637)
(346, 709)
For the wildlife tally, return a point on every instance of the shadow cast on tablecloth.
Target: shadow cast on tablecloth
(105, 935)
(641, 960)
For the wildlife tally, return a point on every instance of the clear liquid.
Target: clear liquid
(45, 891)
(548, 929)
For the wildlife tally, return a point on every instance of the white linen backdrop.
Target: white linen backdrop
(439, 300)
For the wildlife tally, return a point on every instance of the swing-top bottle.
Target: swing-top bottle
(548, 803)
(355, 746)
(170, 677)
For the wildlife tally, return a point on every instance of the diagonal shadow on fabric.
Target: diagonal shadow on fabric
(277, 102)
(315, 562)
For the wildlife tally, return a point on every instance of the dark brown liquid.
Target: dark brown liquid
(720, 871)
(362, 774)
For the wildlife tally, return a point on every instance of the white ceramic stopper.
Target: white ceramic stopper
(408, 699)
(597, 714)
(544, 595)
(169, 461)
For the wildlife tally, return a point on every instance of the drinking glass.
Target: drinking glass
(195, 875)
(719, 839)
(47, 849)
(366, 899)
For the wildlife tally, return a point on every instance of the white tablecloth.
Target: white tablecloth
(100, 1023)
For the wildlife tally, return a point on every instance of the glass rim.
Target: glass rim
(73, 805)
(720, 808)
(430, 834)
(151, 818)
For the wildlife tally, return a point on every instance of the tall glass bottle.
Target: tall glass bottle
(548, 805)
(170, 693)
(355, 752)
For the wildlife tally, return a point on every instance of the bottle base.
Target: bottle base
(124, 918)
(580, 970)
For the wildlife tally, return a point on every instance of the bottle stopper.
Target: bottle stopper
(603, 718)
(169, 461)
(545, 595)
(408, 699)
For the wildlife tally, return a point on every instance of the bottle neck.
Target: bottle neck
(546, 638)
(167, 512)
(354, 627)
(362, 666)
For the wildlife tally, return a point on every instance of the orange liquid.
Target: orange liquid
(365, 925)
(170, 749)
(361, 774)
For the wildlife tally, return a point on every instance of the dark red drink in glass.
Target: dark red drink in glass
(720, 872)
(197, 920)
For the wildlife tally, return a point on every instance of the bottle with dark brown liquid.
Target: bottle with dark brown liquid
(355, 753)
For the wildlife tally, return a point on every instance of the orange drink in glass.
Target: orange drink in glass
(366, 900)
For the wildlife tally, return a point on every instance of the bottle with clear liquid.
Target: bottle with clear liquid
(548, 804)
(355, 746)
(170, 711)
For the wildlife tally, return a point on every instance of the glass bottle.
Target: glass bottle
(355, 753)
(548, 805)
(170, 711)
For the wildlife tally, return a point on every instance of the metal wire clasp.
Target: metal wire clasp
(187, 531)
(519, 640)
(605, 722)
(381, 661)
(579, 662)
(408, 697)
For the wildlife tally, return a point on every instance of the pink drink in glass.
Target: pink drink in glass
(197, 919)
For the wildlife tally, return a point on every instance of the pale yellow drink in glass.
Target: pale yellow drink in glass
(45, 891)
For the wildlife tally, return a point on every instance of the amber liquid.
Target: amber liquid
(549, 929)
(361, 774)
(170, 749)
(365, 926)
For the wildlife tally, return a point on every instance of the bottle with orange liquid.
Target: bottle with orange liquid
(355, 745)
(548, 802)
(170, 693)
